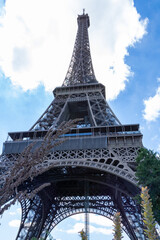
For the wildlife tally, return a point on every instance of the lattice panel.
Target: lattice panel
(104, 207)
(102, 112)
(62, 207)
(49, 117)
(128, 154)
(113, 160)
(31, 214)
(6, 162)
(132, 212)
(80, 70)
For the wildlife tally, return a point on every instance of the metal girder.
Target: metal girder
(90, 106)
(32, 218)
(49, 117)
(117, 160)
(65, 198)
(80, 70)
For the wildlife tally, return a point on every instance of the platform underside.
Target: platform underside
(65, 196)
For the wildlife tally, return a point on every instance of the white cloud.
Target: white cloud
(14, 223)
(76, 228)
(95, 219)
(17, 211)
(79, 226)
(37, 39)
(152, 107)
(12, 213)
(100, 230)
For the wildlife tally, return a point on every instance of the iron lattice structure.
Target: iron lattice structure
(99, 153)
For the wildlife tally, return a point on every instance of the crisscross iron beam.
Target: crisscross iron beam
(80, 70)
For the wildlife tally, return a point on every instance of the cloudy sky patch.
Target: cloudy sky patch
(36, 36)
(152, 107)
(14, 223)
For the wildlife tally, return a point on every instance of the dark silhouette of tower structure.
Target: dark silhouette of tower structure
(98, 153)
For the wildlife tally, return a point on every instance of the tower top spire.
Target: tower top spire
(80, 70)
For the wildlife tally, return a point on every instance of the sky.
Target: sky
(36, 44)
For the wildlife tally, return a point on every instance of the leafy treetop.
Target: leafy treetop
(148, 174)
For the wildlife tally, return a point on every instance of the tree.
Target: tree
(83, 235)
(148, 174)
(148, 218)
(117, 230)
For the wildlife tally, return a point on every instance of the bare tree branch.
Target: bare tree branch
(29, 165)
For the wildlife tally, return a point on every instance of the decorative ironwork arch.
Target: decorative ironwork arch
(104, 199)
(101, 159)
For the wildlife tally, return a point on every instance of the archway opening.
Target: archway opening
(100, 227)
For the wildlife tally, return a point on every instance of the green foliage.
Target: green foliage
(83, 235)
(148, 174)
(117, 230)
(148, 217)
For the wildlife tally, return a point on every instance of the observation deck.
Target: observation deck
(78, 138)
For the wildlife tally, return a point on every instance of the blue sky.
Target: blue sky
(36, 43)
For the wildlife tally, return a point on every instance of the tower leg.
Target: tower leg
(32, 213)
(131, 217)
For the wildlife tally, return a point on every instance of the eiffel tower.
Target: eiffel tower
(96, 165)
